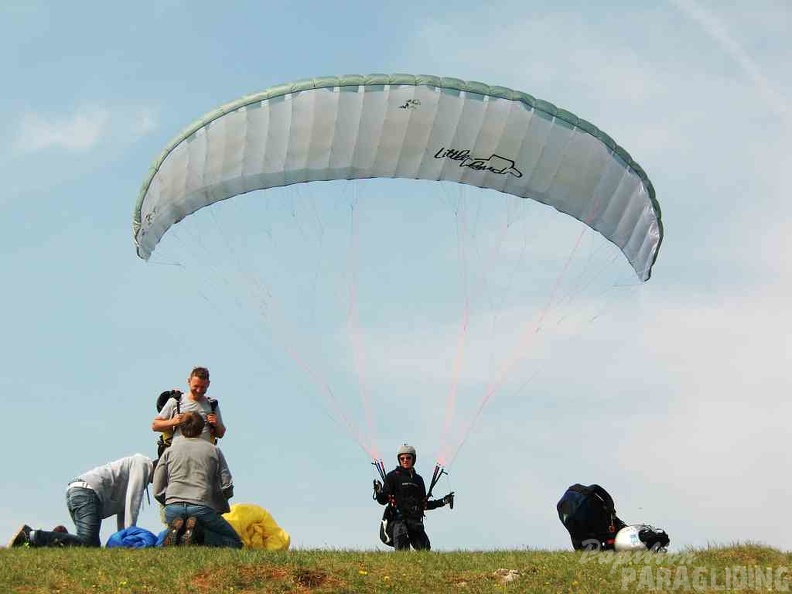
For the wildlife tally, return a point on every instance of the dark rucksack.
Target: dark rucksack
(166, 437)
(589, 515)
(386, 525)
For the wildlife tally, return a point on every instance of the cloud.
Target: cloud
(720, 34)
(739, 348)
(143, 122)
(621, 73)
(724, 391)
(78, 131)
(81, 130)
(551, 55)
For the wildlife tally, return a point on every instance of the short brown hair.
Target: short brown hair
(201, 373)
(192, 425)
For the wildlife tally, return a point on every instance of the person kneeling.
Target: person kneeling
(113, 489)
(189, 481)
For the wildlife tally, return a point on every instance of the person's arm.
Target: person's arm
(161, 479)
(435, 503)
(166, 424)
(138, 481)
(386, 494)
(226, 480)
(166, 420)
(219, 497)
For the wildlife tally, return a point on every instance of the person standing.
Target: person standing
(169, 419)
(404, 490)
(192, 482)
(114, 489)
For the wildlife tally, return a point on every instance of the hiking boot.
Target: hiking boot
(21, 537)
(174, 533)
(189, 532)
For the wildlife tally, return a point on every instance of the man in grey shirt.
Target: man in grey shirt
(189, 480)
(114, 489)
(169, 419)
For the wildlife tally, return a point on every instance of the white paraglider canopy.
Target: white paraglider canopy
(404, 126)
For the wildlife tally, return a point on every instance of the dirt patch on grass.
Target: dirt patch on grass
(253, 578)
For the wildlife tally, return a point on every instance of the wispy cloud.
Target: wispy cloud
(78, 131)
(143, 122)
(81, 130)
(718, 32)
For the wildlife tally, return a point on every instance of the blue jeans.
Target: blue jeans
(217, 532)
(86, 512)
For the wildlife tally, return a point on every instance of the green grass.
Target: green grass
(203, 570)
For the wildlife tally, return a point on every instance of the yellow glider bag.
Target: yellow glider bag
(257, 528)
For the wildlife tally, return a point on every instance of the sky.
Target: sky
(672, 395)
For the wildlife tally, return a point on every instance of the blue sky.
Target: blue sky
(674, 398)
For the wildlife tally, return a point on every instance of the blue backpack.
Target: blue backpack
(132, 538)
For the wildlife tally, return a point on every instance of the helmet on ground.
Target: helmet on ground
(407, 449)
(627, 539)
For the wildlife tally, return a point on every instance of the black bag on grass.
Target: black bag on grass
(589, 515)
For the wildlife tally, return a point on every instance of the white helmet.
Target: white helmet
(627, 539)
(407, 449)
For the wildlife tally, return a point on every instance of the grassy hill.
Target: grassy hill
(746, 568)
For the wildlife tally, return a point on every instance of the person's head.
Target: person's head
(198, 381)
(192, 424)
(406, 456)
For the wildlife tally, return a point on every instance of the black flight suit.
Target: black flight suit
(406, 492)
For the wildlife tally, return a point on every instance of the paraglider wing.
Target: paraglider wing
(404, 126)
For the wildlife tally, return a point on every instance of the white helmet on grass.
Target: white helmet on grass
(628, 539)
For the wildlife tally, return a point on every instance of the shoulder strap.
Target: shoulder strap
(213, 406)
(603, 495)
